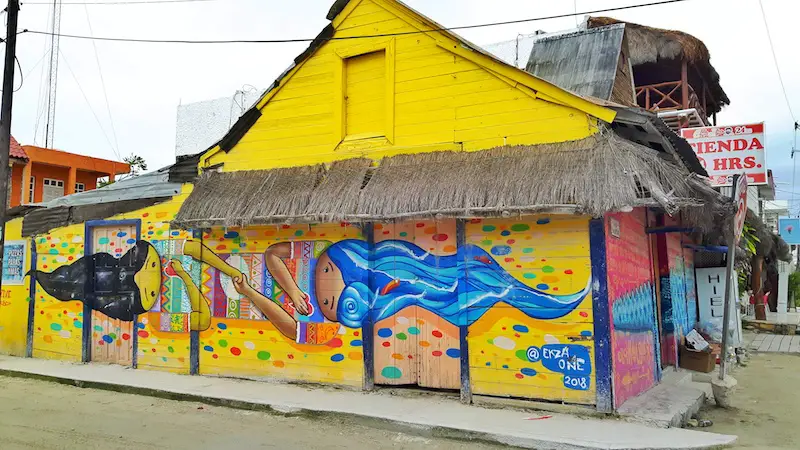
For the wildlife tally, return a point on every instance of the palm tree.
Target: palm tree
(138, 165)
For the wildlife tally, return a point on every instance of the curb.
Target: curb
(370, 421)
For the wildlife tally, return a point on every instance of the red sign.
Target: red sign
(730, 150)
(740, 197)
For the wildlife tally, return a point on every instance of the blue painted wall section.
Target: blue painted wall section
(602, 329)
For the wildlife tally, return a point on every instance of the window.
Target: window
(80, 187)
(365, 95)
(52, 189)
(54, 183)
(364, 99)
(31, 189)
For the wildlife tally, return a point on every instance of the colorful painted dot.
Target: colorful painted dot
(548, 269)
(519, 375)
(505, 366)
(398, 356)
(298, 233)
(501, 250)
(520, 227)
(586, 333)
(529, 372)
(437, 333)
(542, 286)
(391, 372)
(413, 331)
(402, 336)
(223, 343)
(103, 241)
(403, 234)
(170, 349)
(521, 354)
(385, 332)
(520, 328)
(139, 325)
(584, 314)
(486, 242)
(208, 348)
(529, 276)
(222, 326)
(505, 233)
(337, 357)
(108, 339)
(436, 353)
(55, 326)
(335, 343)
(453, 352)
(387, 344)
(126, 336)
(440, 237)
(231, 234)
(489, 228)
(236, 351)
(543, 221)
(77, 324)
(356, 343)
(263, 356)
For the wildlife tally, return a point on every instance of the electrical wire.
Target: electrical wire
(103, 85)
(124, 2)
(775, 60)
(85, 98)
(405, 33)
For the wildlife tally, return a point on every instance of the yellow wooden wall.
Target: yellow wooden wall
(440, 101)
(14, 302)
(58, 324)
(253, 347)
(551, 254)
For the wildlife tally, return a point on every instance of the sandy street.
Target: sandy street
(42, 415)
(766, 405)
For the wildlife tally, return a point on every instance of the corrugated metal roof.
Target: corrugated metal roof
(584, 62)
(155, 184)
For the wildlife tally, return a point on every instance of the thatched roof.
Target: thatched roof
(653, 45)
(592, 176)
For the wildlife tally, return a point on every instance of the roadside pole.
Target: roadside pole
(5, 115)
(740, 200)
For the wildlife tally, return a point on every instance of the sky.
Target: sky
(145, 83)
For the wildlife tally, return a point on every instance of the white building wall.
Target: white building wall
(201, 124)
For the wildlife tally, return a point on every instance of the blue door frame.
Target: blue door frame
(86, 336)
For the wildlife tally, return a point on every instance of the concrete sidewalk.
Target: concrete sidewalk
(428, 416)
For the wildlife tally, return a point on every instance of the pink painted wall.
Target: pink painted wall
(633, 314)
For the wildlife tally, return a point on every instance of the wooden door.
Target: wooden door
(414, 346)
(112, 339)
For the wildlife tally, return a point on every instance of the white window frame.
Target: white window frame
(32, 190)
(53, 182)
(80, 187)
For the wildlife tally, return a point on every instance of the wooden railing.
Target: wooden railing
(668, 96)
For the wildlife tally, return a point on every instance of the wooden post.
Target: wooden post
(756, 287)
(684, 84)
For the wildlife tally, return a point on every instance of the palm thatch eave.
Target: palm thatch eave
(592, 176)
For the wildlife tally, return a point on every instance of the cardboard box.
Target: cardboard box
(698, 361)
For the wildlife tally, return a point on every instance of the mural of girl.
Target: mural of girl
(353, 283)
(120, 288)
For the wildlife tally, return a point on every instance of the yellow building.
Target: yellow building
(400, 208)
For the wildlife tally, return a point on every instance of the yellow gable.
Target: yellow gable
(402, 91)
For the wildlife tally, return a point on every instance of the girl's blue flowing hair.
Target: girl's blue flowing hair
(398, 274)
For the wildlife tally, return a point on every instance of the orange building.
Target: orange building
(42, 174)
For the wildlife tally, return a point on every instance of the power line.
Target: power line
(88, 103)
(124, 2)
(103, 84)
(295, 40)
(775, 60)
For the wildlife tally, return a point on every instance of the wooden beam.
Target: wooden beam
(685, 84)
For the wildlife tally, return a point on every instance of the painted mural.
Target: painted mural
(676, 293)
(546, 356)
(123, 263)
(633, 317)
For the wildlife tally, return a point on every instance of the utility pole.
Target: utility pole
(5, 115)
